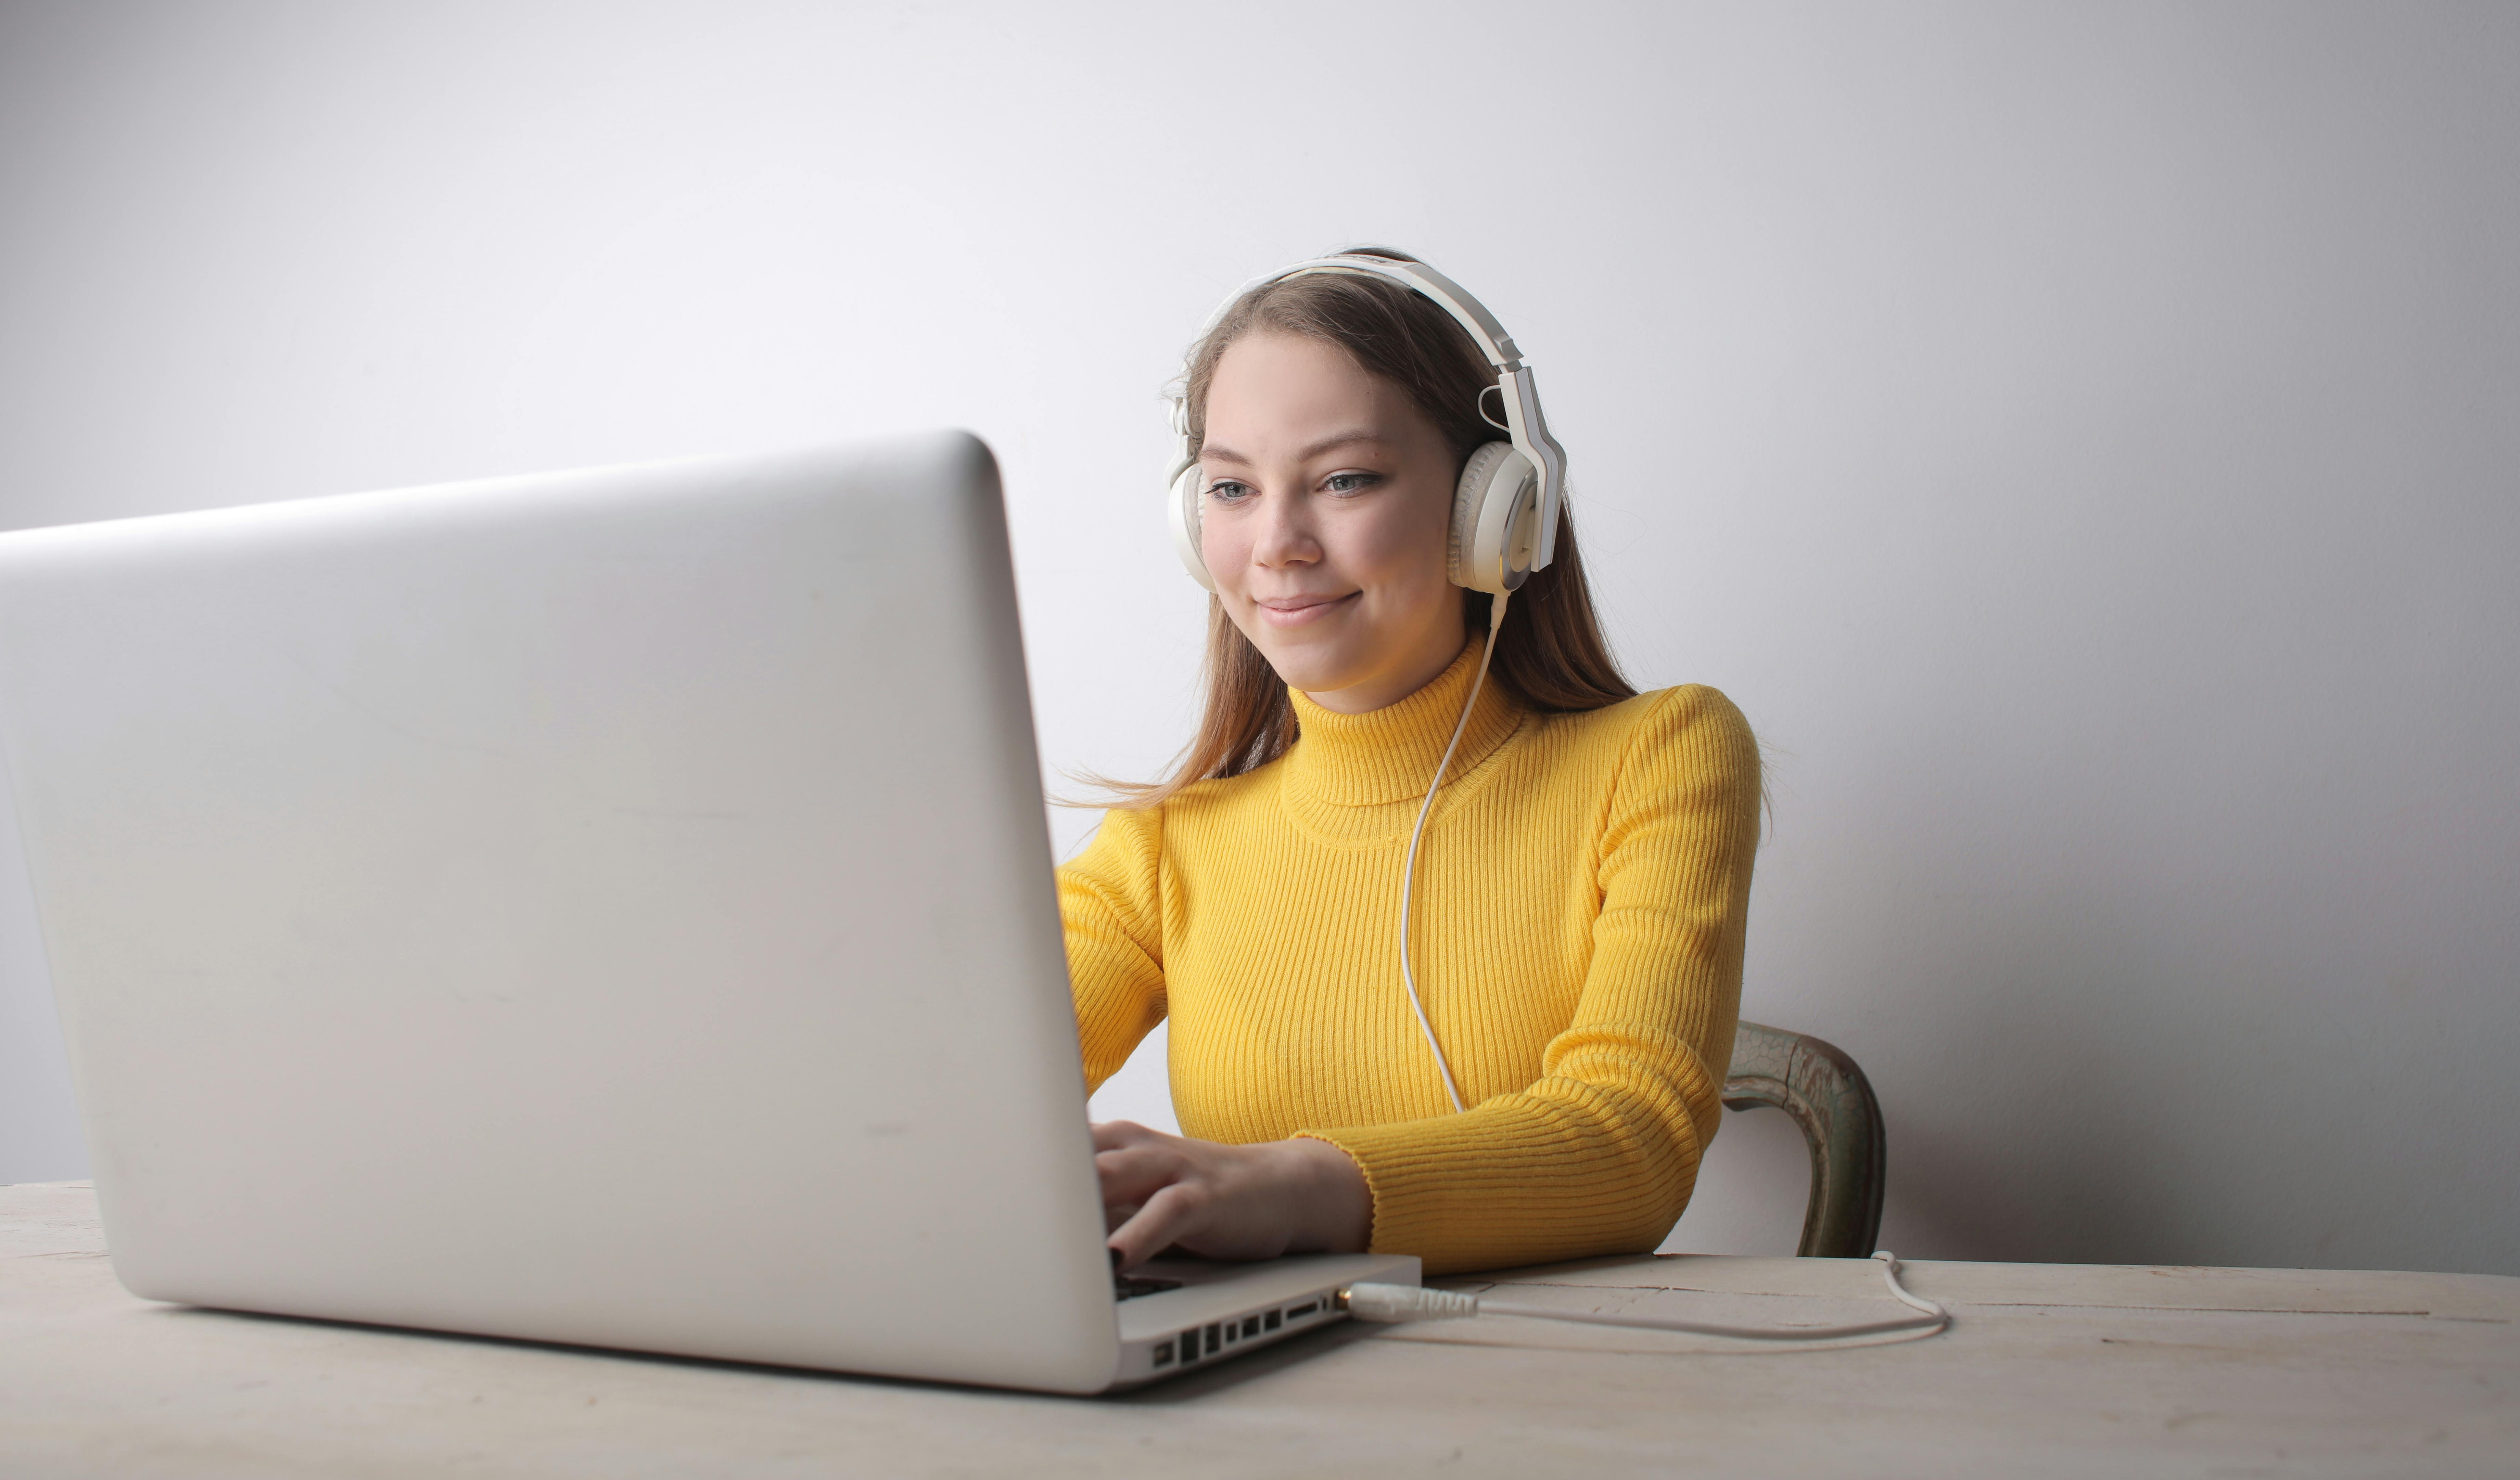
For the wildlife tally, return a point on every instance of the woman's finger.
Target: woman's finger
(1113, 1134)
(1167, 1218)
(1136, 1173)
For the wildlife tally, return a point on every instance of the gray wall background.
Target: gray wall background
(2082, 438)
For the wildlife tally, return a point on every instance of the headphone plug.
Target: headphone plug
(1392, 1304)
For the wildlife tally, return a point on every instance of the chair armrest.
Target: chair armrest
(1815, 1082)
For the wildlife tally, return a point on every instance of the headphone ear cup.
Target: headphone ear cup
(1490, 544)
(1180, 513)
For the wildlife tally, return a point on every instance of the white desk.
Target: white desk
(2052, 1370)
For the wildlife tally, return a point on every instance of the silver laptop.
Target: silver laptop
(610, 908)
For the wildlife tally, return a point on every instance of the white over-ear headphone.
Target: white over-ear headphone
(1505, 509)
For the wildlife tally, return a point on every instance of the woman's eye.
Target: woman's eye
(1228, 491)
(1351, 482)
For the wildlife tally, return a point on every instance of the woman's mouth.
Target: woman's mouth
(1298, 610)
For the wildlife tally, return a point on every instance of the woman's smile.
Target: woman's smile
(1300, 610)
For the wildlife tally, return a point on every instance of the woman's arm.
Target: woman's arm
(1600, 1155)
(1111, 903)
(1158, 1191)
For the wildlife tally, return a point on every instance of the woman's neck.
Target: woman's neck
(1389, 755)
(1424, 663)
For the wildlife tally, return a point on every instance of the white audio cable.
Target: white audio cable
(1409, 869)
(1392, 1304)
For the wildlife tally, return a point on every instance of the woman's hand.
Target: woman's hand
(1299, 1196)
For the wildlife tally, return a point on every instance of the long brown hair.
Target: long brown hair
(1549, 654)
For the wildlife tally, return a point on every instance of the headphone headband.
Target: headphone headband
(1418, 277)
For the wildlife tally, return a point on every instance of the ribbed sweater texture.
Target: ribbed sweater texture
(1577, 939)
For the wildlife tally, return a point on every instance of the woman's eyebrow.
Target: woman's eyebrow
(1334, 440)
(1215, 452)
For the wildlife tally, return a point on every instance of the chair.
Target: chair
(1830, 1101)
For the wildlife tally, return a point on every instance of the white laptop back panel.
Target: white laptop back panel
(577, 908)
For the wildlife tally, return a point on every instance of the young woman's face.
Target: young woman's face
(1323, 520)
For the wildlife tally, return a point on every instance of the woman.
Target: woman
(1576, 907)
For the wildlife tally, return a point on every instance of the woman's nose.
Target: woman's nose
(1285, 536)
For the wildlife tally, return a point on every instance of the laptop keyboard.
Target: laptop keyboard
(1123, 1287)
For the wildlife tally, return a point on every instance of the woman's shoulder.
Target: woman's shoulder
(1219, 795)
(1142, 828)
(1687, 740)
(1685, 715)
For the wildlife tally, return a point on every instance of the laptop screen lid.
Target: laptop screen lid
(608, 907)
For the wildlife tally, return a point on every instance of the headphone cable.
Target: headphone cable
(1408, 869)
(1392, 1304)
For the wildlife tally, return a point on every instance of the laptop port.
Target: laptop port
(1299, 1312)
(1250, 1327)
(1212, 1343)
(1269, 1323)
(1163, 1354)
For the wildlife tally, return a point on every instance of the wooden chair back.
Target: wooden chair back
(1812, 1081)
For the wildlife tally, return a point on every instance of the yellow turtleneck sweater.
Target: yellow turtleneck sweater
(1581, 897)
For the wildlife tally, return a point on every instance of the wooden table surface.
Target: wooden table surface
(2050, 1370)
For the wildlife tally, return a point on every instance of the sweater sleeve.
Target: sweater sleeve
(1111, 903)
(1600, 1155)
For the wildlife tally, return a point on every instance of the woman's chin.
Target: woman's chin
(1314, 667)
